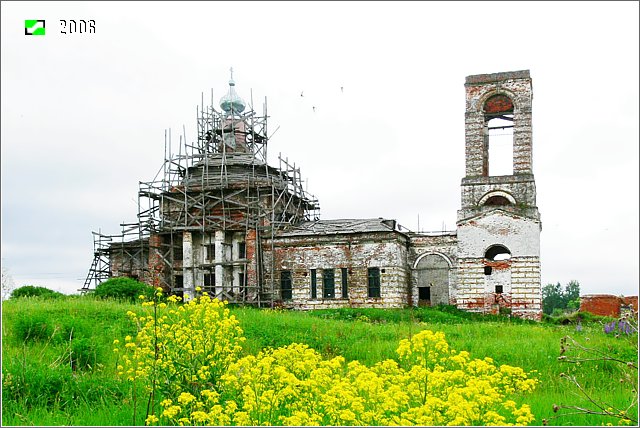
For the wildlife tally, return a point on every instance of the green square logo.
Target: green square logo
(34, 27)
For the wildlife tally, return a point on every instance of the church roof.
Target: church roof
(341, 226)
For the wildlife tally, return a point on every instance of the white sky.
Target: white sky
(84, 115)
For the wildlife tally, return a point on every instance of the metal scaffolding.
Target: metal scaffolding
(220, 184)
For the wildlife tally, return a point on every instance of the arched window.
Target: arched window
(498, 125)
(497, 252)
(497, 200)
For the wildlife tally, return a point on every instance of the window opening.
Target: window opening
(487, 270)
(499, 289)
(328, 284)
(373, 275)
(210, 283)
(314, 287)
(498, 118)
(241, 282)
(497, 200)
(285, 285)
(424, 293)
(210, 250)
(177, 252)
(497, 253)
(178, 282)
(242, 250)
(345, 288)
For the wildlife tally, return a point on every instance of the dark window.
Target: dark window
(242, 283)
(328, 284)
(487, 270)
(177, 281)
(497, 200)
(424, 293)
(499, 289)
(177, 252)
(211, 251)
(242, 250)
(374, 282)
(497, 252)
(210, 283)
(285, 284)
(314, 292)
(345, 288)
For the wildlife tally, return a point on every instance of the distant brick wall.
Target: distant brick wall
(606, 304)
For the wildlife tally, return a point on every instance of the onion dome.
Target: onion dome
(232, 103)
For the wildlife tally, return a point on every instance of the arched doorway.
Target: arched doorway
(433, 280)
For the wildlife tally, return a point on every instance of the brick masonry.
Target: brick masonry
(415, 268)
(607, 304)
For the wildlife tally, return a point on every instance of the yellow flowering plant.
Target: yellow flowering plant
(189, 357)
(180, 348)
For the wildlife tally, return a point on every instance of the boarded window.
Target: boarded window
(373, 275)
(285, 285)
(328, 284)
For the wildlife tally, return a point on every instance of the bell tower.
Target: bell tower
(498, 222)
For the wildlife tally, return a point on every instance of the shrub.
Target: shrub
(35, 291)
(34, 327)
(123, 288)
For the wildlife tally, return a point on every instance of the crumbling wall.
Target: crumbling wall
(443, 245)
(607, 304)
(356, 253)
(519, 276)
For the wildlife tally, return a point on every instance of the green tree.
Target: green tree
(555, 299)
(571, 292)
(551, 298)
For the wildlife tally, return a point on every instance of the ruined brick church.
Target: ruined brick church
(218, 216)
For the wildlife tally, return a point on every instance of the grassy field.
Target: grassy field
(58, 367)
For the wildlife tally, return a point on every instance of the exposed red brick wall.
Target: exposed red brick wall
(498, 104)
(602, 304)
(156, 266)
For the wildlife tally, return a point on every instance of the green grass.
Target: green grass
(44, 383)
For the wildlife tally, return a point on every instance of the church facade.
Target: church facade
(246, 232)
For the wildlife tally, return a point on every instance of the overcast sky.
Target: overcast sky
(84, 115)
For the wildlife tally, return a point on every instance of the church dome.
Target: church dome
(232, 103)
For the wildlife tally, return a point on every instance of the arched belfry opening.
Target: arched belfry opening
(498, 132)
